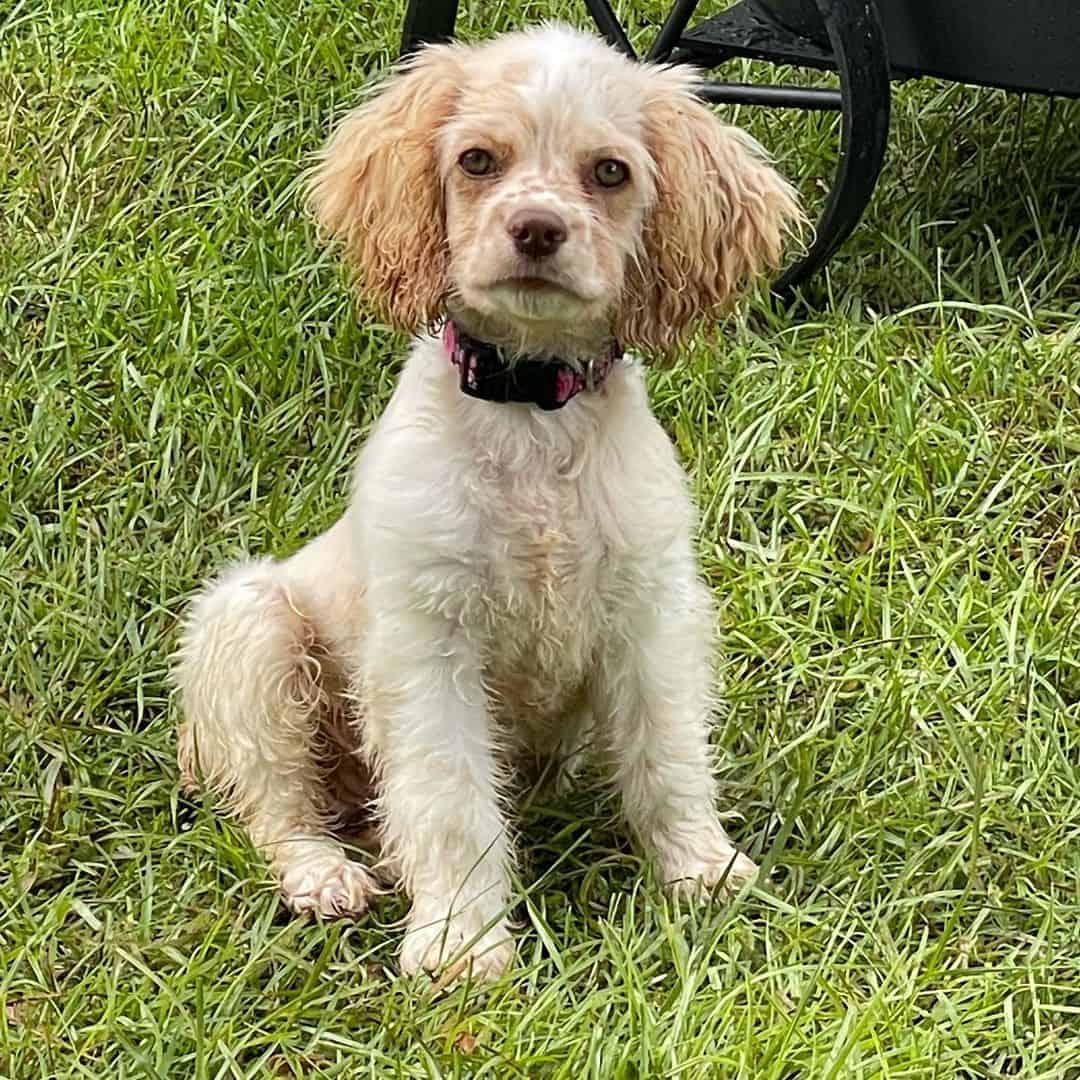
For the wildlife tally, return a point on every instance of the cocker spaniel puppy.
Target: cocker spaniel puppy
(515, 574)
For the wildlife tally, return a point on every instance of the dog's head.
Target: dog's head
(544, 187)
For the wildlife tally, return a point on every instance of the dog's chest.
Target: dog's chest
(546, 585)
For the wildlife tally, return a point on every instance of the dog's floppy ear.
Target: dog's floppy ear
(720, 215)
(376, 189)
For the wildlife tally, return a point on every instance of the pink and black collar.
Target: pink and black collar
(547, 382)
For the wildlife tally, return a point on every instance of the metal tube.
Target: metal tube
(777, 97)
(427, 20)
(672, 30)
(608, 25)
(862, 58)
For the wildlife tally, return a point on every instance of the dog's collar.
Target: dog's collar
(547, 382)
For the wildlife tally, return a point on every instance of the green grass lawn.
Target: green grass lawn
(890, 492)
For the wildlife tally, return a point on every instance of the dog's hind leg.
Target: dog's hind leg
(252, 692)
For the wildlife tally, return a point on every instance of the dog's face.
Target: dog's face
(545, 188)
(546, 181)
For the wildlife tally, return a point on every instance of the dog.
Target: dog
(514, 578)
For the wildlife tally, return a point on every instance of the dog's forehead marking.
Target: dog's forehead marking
(573, 86)
(568, 117)
(565, 87)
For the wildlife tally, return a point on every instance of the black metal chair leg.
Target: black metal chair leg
(682, 11)
(858, 45)
(427, 21)
(607, 22)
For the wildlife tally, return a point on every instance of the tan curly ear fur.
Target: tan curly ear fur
(719, 219)
(376, 189)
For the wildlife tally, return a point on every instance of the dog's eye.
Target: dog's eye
(477, 162)
(610, 173)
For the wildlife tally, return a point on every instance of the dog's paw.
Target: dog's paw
(710, 865)
(455, 948)
(331, 886)
(697, 877)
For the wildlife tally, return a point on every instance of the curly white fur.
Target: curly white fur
(505, 581)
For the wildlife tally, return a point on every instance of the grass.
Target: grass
(890, 487)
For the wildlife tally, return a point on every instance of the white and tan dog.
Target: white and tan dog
(512, 577)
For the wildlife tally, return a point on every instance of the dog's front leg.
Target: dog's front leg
(429, 731)
(653, 699)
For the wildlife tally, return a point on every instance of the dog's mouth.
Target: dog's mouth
(545, 288)
(535, 283)
(532, 296)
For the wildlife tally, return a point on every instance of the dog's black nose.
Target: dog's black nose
(537, 233)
